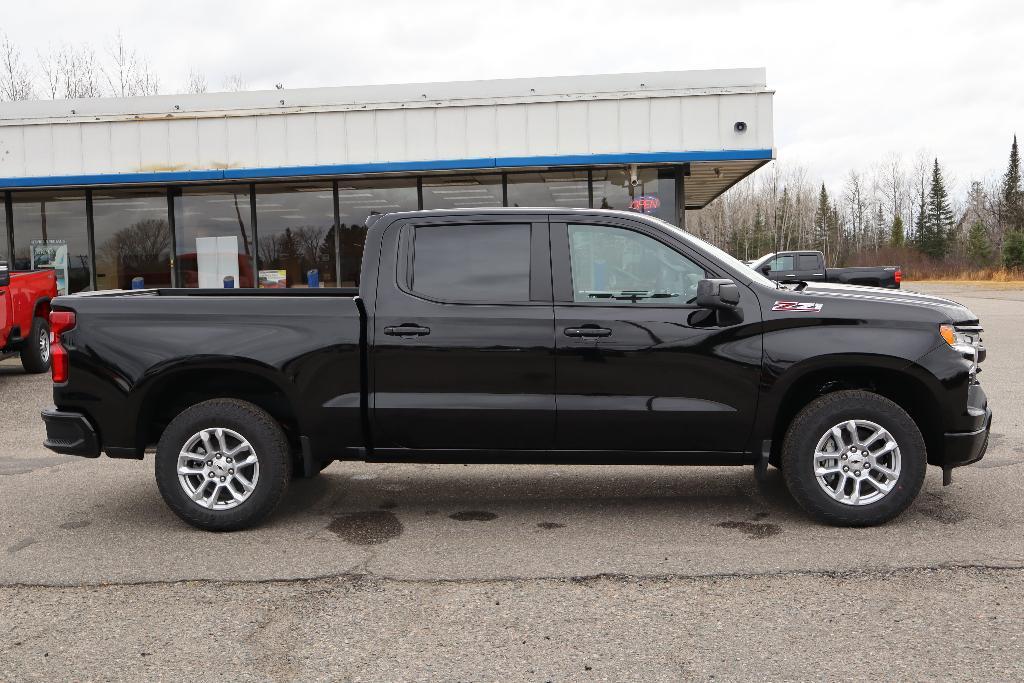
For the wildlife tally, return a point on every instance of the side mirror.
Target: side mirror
(765, 269)
(717, 293)
(5, 274)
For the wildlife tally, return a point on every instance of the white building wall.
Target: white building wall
(486, 122)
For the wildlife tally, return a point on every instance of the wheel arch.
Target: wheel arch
(905, 383)
(166, 394)
(41, 309)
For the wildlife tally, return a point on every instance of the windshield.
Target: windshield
(761, 261)
(717, 253)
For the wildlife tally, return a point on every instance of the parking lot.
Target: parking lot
(445, 572)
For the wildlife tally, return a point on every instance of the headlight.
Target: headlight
(965, 340)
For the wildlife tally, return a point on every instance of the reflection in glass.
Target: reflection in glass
(3, 238)
(618, 266)
(296, 234)
(462, 192)
(214, 236)
(358, 199)
(655, 194)
(568, 189)
(50, 232)
(132, 237)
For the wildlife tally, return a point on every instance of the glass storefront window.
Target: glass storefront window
(132, 238)
(359, 199)
(462, 192)
(50, 232)
(655, 194)
(4, 246)
(568, 189)
(295, 226)
(214, 236)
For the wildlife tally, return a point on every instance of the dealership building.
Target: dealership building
(272, 188)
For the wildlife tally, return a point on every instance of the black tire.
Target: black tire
(268, 442)
(819, 417)
(35, 355)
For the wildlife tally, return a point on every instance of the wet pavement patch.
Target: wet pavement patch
(366, 528)
(388, 505)
(550, 525)
(75, 524)
(753, 529)
(22, 544)
(473, 516)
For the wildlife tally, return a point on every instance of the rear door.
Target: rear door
(640, 366)
(462, 350)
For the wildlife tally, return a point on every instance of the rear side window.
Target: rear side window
(472, 263)
(807, 262)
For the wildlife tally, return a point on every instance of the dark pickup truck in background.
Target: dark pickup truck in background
(809, 266)
(24, 316)
(523, 335)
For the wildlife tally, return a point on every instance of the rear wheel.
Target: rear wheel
(223, 465)
(35, 349)
(853, 458)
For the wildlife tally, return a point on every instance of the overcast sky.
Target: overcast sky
(854, 81)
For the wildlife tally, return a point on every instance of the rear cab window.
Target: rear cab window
(485, 263)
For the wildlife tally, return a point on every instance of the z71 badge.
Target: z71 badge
(796, 306)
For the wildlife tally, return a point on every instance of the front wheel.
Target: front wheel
(223, 465)
(35, 350)
(853, 458)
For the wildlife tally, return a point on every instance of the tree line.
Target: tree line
(903, 213)
(75, 70)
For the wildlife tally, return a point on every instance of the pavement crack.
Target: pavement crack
(356, 575)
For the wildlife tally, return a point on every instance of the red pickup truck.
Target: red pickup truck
(24, 315)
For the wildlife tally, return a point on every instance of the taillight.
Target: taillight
(899, 276)
(60, 322)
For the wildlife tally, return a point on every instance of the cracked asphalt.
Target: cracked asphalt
(415, 572)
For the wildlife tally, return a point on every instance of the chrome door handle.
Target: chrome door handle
(407, 330)
(587, 332)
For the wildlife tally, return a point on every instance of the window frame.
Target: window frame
(539, 257)
(561, 261)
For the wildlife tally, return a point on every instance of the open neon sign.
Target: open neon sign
(645, 203)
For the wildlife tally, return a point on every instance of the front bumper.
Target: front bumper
(70, 433)
(963, 448)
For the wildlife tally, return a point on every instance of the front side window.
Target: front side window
(472, 263)
(618, 266)
(781, 263)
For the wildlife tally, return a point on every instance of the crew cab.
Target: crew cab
(523, 336)
(24, 316)
(809, 266)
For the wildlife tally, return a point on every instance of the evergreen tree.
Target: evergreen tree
(920, 236)
(938, 218)
(896, 236)
(979, 250)
(1013, 250)
(1012, 194)
(822, 217)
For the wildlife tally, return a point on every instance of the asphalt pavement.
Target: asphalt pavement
(446, 572)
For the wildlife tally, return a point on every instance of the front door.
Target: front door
(640, 366)
(462, 351)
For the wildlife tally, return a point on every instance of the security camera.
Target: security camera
(634, 178)
(740, 126)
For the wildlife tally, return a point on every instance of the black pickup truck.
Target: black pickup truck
(523, 336)
(809, 266)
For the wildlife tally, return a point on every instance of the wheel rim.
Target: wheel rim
(857, 462)
(218, 468)
(44, 345)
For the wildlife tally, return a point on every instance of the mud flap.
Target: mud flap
(761, 466)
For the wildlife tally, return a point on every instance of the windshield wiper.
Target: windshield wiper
(629, 295)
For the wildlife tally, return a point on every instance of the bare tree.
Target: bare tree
(196, 83)
(235, 83)
(15, 78)
(71, 72)
(128, 74)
